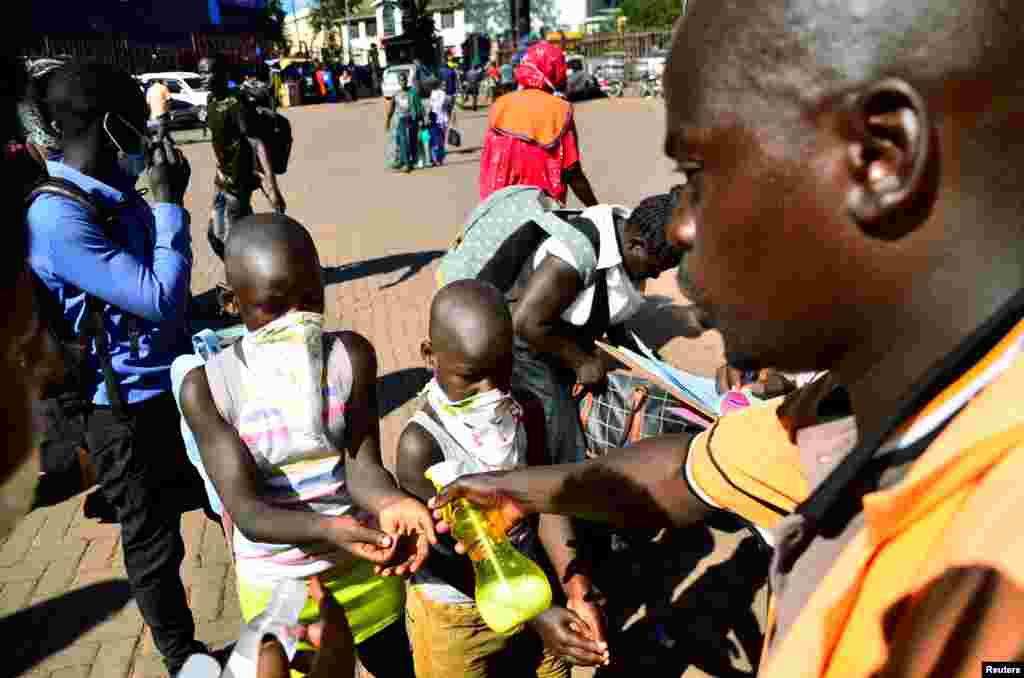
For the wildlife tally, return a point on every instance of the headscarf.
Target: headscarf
(543, 67)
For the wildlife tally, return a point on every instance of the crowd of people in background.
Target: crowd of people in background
(849, 204)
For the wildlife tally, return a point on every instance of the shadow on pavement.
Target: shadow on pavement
(397, 388)
(656, 630)
(466, 161)
(43, 630)
(712, 626)
(413, 262)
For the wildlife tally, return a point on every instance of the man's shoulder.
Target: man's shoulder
(50, 212)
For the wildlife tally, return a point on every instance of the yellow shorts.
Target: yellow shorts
(452, 641)
(371, 603)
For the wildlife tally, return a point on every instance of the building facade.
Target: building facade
(354, 37)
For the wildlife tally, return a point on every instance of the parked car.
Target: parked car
(180, 115)
(424, 81)
(184, 86)
(580, 83)
(651, 65)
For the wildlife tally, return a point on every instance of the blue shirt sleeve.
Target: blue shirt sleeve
(67, 246)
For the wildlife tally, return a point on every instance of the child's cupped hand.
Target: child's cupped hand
(411, 525)
(361, 540)
(567, 635)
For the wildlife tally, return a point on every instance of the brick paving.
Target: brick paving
(379, 235)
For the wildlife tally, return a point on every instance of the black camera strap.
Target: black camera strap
(820, 513)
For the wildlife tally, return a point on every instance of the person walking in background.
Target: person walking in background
(353, 80)
(345, 84)
(532, 133)
(449, 81)
(158, 97)
(507, 79)
(473, 78)
(489, 86)
(374, 64)
(239, 156)
(441, 113)
(404, 112)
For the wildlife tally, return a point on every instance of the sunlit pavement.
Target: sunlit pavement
(379, 234)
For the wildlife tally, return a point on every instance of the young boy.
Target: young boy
(287, 426)
(441, 112)
(470, 416)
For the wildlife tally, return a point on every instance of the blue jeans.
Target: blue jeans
(228, 209)
(408, 141)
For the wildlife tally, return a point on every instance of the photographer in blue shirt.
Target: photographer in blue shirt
(137, 263)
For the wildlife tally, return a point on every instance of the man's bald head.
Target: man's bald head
(272, 264)
(470, 318)
(961, 57)
(851, 163)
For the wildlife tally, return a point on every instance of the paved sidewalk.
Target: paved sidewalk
(379, 236)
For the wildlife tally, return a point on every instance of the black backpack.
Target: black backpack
(275, 131)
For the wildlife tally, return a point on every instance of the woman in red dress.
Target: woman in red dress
(531, 138)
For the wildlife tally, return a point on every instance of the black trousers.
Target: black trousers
(145, 476)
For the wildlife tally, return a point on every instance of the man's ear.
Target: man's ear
(893, 156)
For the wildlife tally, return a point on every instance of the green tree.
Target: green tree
(647, 14)
(328, 16)
(418, 24)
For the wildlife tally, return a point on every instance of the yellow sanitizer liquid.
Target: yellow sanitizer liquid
(511, 589)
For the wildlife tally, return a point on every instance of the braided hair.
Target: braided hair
(650, 218)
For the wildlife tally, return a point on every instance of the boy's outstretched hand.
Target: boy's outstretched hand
(566, 635)
(360, 540)
(411, 525)
(483, 490)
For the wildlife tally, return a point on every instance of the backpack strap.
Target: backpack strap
(70, 191)
(589, 230)
(93, 328)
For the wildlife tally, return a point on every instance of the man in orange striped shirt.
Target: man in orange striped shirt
(877, 145)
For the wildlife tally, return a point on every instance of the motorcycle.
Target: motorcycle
(611, 87)
(651, 87)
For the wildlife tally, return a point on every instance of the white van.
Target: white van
(389, 81)
(184, 86)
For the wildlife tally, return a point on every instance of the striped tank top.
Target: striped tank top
(288, 406)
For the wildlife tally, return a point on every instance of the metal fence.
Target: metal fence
(627, 45)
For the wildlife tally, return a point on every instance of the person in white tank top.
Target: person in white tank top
(470, 416)
(288, 432)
